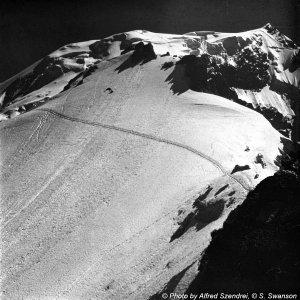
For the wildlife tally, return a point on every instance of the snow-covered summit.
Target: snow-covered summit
(50, 75)
(278, 91)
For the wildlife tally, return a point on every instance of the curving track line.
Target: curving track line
(147, 136)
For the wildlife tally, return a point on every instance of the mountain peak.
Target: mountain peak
(283, 39)
(269, 26)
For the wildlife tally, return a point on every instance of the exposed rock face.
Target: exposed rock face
(234, 44)
(215, 48)
(196, 70)
(193, 44)
(45, 72)
(143, 53)
(247, 68)
(280, 37)
(295, 64)
(258, 247)
(100, 48)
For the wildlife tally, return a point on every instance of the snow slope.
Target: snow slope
(113, 186)
(49, 76)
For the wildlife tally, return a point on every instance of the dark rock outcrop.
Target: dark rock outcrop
(142, 54)
(238, 168)
(233, 44)
(100, 48)
(258, 248)
(46, 71)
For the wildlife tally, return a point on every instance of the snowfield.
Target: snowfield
(115, 171)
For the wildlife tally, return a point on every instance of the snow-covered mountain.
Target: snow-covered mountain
(120, 156)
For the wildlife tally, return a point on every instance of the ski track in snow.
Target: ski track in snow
(148, 136)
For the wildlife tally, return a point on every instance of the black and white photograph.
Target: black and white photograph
(149, 150)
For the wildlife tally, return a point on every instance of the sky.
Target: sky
(31, 29)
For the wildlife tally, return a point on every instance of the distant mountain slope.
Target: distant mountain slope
(120, 157)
